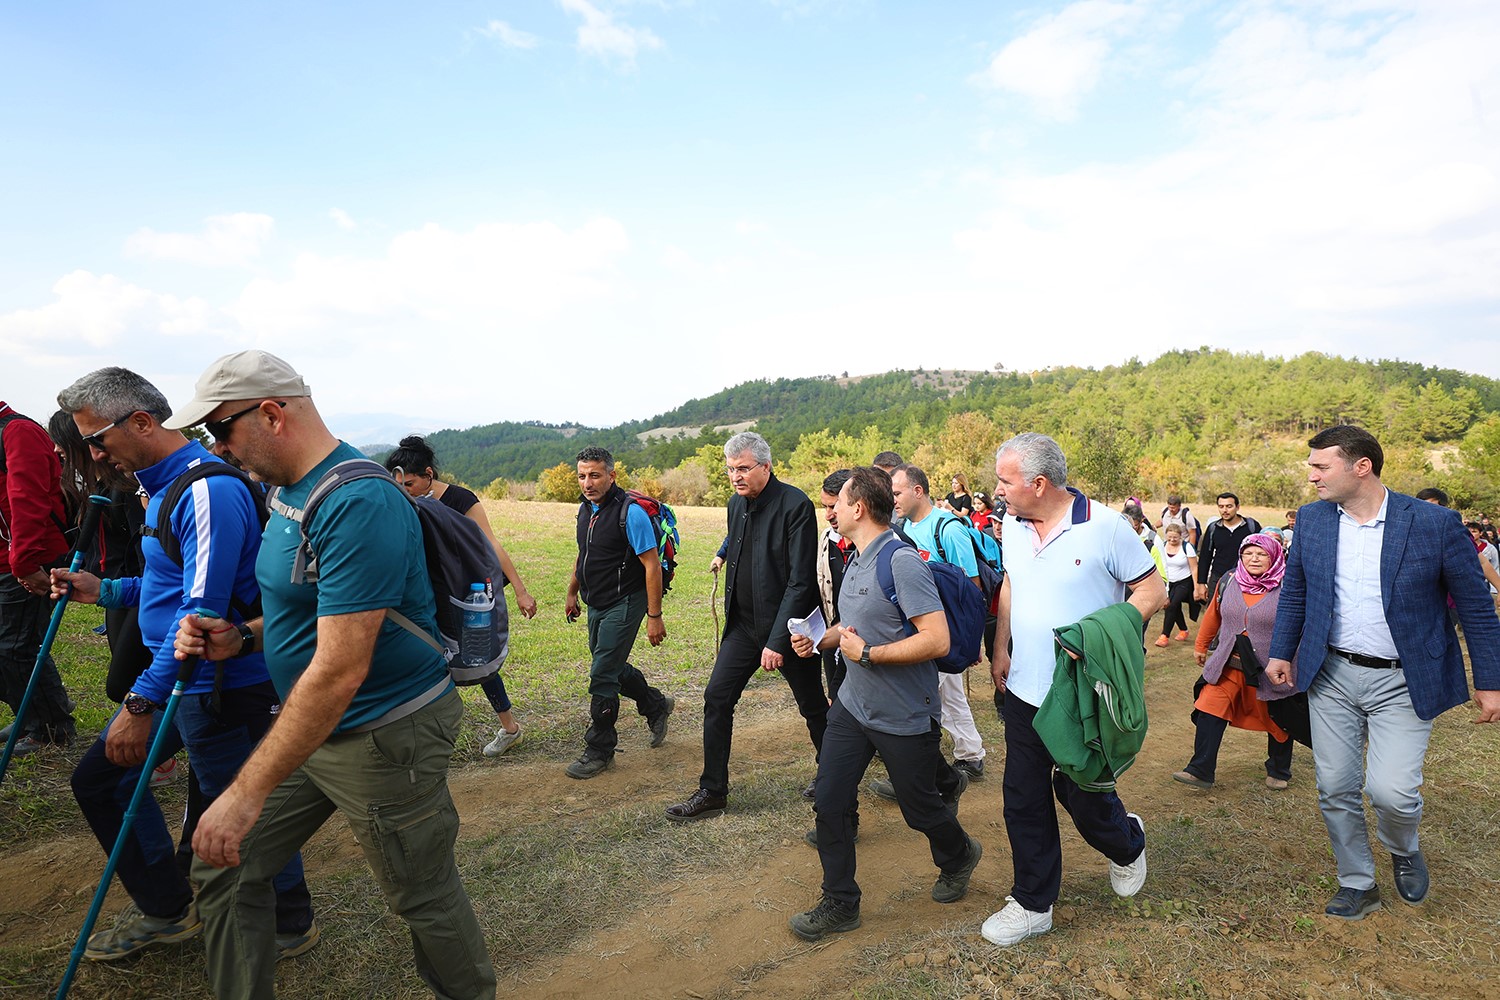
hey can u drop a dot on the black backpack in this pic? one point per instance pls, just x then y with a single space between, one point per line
457 554
164 533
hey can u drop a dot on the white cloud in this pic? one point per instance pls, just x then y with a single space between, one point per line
1061 59
102 310
1344 196
225 241
511 38
604 37
343 219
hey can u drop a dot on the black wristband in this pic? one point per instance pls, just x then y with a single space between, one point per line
247 640
650 615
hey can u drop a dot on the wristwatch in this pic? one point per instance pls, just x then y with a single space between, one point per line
864 657
247 639
139 704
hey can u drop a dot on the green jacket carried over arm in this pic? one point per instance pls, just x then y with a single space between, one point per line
1093 720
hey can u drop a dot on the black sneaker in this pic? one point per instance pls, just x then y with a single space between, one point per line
828 917
589 765
951 798
812 836
953 886
810 793
1353 904
973 768
658 723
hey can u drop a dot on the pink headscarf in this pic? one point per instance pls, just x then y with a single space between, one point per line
1271 578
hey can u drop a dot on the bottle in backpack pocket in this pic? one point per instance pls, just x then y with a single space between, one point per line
476 642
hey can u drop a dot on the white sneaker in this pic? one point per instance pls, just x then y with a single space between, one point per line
1015 924
502 742
1126 880
165 772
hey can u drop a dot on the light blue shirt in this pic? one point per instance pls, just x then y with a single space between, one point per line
1359 624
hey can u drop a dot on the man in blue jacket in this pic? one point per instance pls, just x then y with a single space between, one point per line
1364 615
217 530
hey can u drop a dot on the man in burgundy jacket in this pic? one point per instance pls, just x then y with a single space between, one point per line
32 521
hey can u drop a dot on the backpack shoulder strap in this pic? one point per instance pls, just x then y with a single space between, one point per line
305 563
162 529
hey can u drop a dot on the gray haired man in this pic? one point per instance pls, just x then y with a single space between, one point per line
770 559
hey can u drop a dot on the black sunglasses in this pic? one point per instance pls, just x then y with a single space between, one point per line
220 428
96 439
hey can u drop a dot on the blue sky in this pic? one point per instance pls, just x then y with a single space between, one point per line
576 209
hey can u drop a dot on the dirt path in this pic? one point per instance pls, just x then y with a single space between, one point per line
1212 932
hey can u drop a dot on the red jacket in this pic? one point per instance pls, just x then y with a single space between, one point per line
31 500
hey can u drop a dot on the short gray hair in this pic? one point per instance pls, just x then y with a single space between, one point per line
1039 456
748 441
115 393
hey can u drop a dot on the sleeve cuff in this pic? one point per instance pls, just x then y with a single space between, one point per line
109 594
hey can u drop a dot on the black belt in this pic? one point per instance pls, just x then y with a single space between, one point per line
1361 660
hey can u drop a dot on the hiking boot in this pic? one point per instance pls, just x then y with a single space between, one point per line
292 945
828 917
953 886
810 793
1189 778
502 742
1276 784
1015 924
28 745
133 930
658 723
702 804
883 788
1126 880
589 765
973 768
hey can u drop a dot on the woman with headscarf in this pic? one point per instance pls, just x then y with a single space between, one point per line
1240 615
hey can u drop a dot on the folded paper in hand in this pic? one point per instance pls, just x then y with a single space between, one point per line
812 626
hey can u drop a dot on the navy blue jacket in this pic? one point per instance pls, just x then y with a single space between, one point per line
1425 556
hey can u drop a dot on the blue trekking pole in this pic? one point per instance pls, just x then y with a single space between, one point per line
86 533
184 676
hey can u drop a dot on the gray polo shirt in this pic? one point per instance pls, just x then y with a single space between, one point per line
900 700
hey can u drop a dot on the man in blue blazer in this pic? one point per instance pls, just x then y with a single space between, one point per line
1364 618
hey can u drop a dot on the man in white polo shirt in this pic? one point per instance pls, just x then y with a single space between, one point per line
1065 558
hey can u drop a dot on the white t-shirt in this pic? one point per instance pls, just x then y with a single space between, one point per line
1082 568
1177 566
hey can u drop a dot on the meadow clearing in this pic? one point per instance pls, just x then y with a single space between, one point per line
585 889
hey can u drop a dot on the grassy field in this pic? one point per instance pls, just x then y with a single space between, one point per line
585 887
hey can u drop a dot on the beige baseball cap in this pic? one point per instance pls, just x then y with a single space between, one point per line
241 375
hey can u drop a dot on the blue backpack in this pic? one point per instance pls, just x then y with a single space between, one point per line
963 604
986 556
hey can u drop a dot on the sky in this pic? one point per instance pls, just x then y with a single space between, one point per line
593 211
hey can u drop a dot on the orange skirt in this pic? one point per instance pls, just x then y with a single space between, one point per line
1236 702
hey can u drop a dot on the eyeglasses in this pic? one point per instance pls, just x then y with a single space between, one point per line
220 428
742 470
96 439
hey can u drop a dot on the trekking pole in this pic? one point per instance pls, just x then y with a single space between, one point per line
86 533
713 604
184 676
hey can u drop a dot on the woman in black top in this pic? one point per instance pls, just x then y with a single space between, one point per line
959 501
415 467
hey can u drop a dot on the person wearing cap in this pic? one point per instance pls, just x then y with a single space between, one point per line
224 713
369 717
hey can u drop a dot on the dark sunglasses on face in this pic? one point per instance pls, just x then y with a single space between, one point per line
96 439
220 428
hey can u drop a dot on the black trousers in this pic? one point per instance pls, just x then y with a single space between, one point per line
912 761
1179 599
737 662
1031 780
1208 735
24 617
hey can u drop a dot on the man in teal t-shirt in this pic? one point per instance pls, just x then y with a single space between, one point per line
369 717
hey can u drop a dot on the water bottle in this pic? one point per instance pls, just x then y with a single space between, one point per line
476 643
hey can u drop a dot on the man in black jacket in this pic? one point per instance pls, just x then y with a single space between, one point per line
770 575
618 575
1220 551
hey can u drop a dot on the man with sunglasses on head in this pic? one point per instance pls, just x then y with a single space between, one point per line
369 716
201 537
770 567
32 524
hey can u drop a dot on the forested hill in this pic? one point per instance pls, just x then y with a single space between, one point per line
1185 405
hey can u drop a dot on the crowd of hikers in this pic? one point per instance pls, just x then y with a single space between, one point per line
297 619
